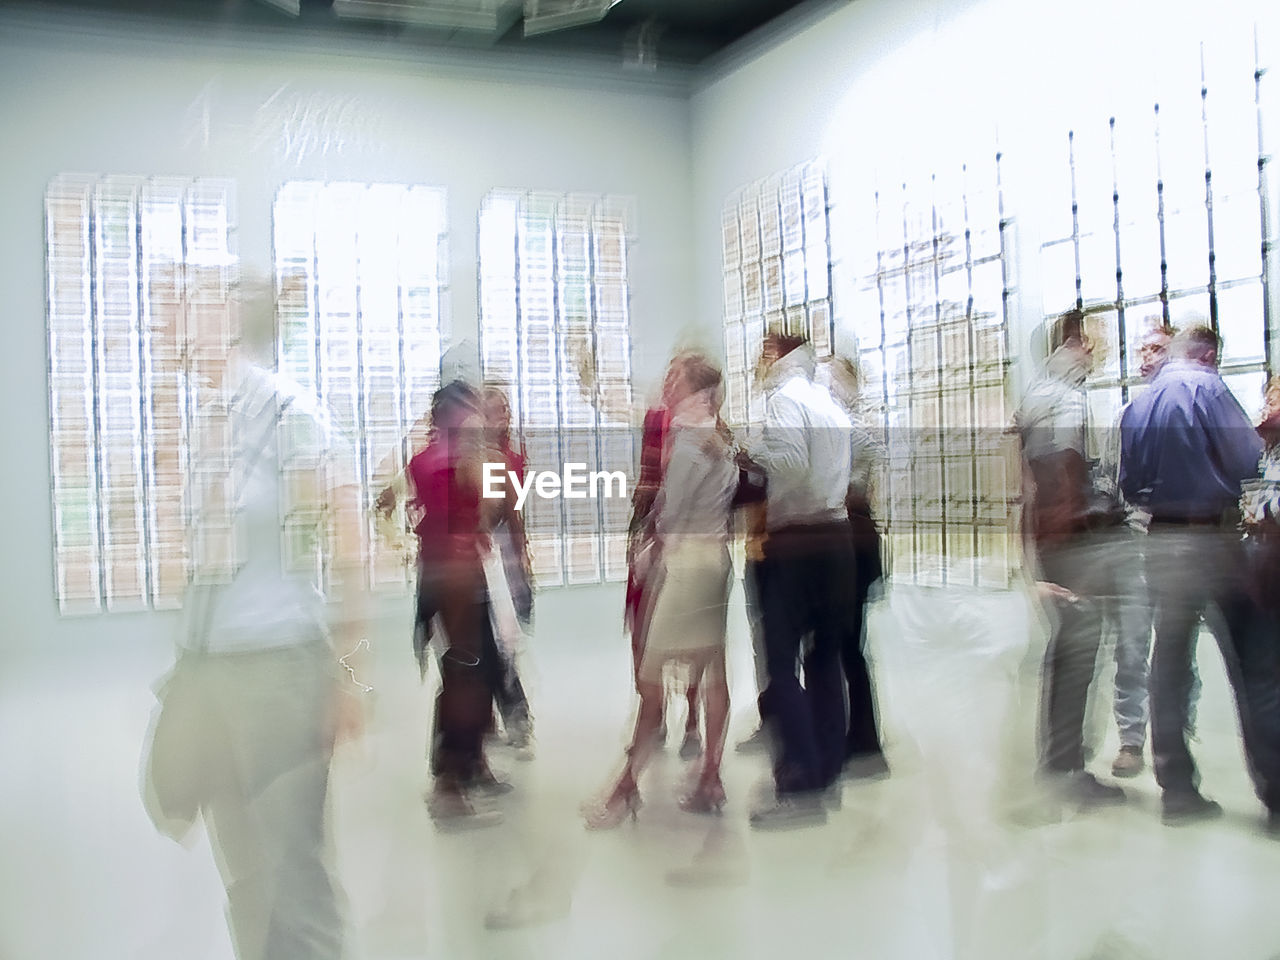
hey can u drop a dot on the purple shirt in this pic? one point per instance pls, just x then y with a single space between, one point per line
1186 445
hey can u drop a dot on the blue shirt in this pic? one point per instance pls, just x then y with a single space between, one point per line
1186 445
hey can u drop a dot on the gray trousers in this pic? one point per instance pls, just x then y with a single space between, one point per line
1094 566
268 748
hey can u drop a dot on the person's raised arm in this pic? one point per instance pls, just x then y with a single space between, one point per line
782 447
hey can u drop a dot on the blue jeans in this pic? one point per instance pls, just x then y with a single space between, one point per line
1127 612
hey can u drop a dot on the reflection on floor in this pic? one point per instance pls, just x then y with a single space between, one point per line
955 856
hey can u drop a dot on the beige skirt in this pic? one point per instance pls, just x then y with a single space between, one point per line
687 607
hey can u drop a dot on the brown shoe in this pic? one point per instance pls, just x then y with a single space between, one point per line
1129 762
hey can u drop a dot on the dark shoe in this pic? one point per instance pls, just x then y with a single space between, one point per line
1187 806
758 742
790 812
866 766
691 746
1129 762
451 811
488 785
833 797
1084 789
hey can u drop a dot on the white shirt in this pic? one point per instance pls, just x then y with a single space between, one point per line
806 448
264 606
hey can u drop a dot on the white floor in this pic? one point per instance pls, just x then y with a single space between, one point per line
953 857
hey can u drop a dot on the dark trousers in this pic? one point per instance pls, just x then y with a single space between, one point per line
806 574
453 591
1193 571
753 592
863 737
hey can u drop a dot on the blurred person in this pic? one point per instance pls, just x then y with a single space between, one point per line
1128 614
1261 507
683 612
1263 500
258 696
654 440
754 526
752 496
808 579
391 477
1186 449
864 755
1076 539
452 590
512 546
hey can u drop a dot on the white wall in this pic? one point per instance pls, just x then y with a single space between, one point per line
886 89
892 90
80 96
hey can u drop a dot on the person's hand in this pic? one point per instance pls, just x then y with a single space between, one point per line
1053 591
386 501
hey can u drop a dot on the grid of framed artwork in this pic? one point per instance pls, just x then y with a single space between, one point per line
359 282
777 276
139 277
929 314
555 335
1163 219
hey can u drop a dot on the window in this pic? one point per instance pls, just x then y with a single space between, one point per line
1161 218
359 271
777 276
139 273
553 306
929 312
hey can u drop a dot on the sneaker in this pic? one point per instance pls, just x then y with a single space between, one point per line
1129 762
1181 807
791 812
691 746
758 742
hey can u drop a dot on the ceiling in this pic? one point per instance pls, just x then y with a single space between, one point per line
647 33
